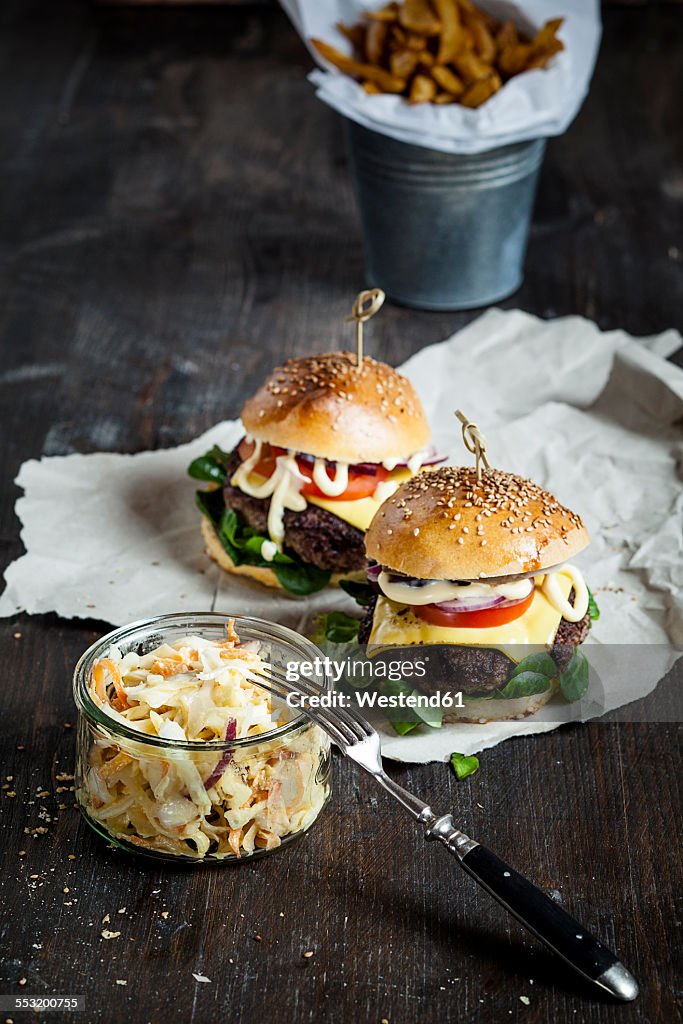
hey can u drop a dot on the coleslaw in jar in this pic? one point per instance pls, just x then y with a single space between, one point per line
182 754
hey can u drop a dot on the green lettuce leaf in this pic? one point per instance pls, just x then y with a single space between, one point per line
361 592
243 545
593 610
574 682
212 466
525 684
464 765
403 728
539 662
433 717
340 628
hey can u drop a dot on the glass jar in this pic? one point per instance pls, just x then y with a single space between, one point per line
241 797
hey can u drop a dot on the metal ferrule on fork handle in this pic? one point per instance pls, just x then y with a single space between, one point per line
445 831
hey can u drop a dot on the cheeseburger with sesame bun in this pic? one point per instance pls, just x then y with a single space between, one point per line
481 564
327 439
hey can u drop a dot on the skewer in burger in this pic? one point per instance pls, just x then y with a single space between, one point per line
327 439
480 564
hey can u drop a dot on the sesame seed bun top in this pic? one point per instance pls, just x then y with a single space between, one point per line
445 524
326 405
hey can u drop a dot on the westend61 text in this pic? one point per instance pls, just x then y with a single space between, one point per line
372 699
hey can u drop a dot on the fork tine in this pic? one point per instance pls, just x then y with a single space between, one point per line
317 715
353 721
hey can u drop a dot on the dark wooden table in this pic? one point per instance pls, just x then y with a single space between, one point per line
175 215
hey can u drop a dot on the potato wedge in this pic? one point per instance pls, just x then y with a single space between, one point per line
543 57
422 89
472 68
513 59
448 80
451 38
403 63
481 91
388 13
546 35
484 45
397 37
418 16
355 35
357 69
375 41
507 35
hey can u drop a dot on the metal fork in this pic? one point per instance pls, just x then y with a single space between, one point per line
560 932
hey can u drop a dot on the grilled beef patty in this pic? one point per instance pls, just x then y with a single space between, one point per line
315 535
482 669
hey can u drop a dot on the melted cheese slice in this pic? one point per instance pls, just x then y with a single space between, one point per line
396 624
358 513
361 512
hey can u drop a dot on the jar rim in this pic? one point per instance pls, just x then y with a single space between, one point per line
262 629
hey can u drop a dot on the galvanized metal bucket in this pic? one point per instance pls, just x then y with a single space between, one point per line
443 231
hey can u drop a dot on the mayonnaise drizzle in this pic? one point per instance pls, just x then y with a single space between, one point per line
438 591
572 613
332 488
283 487
413 463
269 550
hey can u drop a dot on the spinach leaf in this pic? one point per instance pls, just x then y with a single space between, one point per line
593 610
211 504
403 728
211 466
539 662
463 765
574 682
433 717
341 628
298 577
362 593
525 685
243 545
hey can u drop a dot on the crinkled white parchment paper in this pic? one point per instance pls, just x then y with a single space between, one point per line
536 104
594 417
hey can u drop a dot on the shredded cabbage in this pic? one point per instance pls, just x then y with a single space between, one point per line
217 804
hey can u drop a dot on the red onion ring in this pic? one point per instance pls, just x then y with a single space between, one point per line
479 604
370 468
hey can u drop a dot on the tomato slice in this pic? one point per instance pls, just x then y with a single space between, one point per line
361 485
265 466
473 620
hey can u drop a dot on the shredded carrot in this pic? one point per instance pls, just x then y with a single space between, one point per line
110 768
99 672
169 667
234 839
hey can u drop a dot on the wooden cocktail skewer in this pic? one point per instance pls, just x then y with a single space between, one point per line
366 305
474 441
